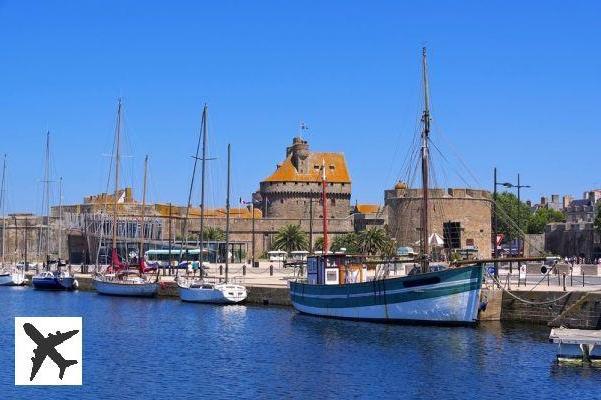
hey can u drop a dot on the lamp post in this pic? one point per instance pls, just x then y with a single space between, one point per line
495 220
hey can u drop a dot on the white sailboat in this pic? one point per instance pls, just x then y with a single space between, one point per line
9 276
119 280
200 290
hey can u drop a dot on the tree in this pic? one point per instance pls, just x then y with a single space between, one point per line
374 241
290 238
318 244
544 215
348 241
511 214
213 234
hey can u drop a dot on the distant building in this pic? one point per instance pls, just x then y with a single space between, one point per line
462 217
368 216
296 185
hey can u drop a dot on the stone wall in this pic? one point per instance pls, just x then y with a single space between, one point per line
472 208
573 239
516 310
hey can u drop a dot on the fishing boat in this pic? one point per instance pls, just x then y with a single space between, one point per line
199 290
48 279
337 285
119 279
9 276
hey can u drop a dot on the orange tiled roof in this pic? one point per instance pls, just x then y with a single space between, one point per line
336 170
235 212
367 208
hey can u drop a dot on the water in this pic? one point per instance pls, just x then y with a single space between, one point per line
165 349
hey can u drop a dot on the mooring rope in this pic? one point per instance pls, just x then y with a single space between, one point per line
534 303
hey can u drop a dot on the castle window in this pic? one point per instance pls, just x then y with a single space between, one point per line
332 167
282 201
333 201
316 166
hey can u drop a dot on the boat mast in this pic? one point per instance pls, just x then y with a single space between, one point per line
3 202
425 155
227 215
60 216
325 207
202 184
114 253
47 186
141 251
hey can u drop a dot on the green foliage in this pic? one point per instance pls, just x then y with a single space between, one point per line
290 238
543 216
213 234
511 214
318 244
374 241
348 241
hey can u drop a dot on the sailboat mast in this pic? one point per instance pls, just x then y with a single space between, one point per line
202 182
324 202
3 202
227 214
47 183
141 252
60 216
189 204
116 199
425 154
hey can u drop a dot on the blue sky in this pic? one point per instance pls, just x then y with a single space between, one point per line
513 85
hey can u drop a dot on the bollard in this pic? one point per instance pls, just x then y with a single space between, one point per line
558 280
571 277
508 283
582 277
271 270
221 270
564 282
244 270
548 280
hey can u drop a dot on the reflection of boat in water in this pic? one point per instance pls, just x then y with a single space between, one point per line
338 286
54 281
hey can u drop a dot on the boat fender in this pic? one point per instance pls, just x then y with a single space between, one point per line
483 303
75 284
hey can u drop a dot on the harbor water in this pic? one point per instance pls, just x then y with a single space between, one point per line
166 349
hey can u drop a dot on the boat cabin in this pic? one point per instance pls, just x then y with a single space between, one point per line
335 269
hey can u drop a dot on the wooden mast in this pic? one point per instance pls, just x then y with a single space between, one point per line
114 253
141 251
425 155
202 184
227 215
324 198
60 217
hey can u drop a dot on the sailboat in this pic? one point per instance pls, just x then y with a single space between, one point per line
48 279
337 286
200 290
8 276
119 280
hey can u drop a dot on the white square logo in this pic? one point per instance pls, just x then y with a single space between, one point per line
48 351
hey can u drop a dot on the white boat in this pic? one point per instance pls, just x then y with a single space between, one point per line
125 285
199 291
12 278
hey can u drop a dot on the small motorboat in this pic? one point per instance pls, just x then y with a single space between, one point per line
56 280
199 291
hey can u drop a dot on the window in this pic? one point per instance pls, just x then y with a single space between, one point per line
282 201
333 201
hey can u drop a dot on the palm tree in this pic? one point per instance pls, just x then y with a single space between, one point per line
213 234
348 241
290 238
318 244
374 241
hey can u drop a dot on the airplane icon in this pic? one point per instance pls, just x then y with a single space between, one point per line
46 347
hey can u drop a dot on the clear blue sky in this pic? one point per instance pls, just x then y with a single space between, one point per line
514 84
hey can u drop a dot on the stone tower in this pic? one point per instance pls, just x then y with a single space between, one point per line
287 193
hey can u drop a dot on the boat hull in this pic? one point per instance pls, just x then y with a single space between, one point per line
225 295
67 283
445 297
147 289
12 279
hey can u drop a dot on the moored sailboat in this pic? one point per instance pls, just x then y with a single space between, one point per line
337 285
119 280
201 290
